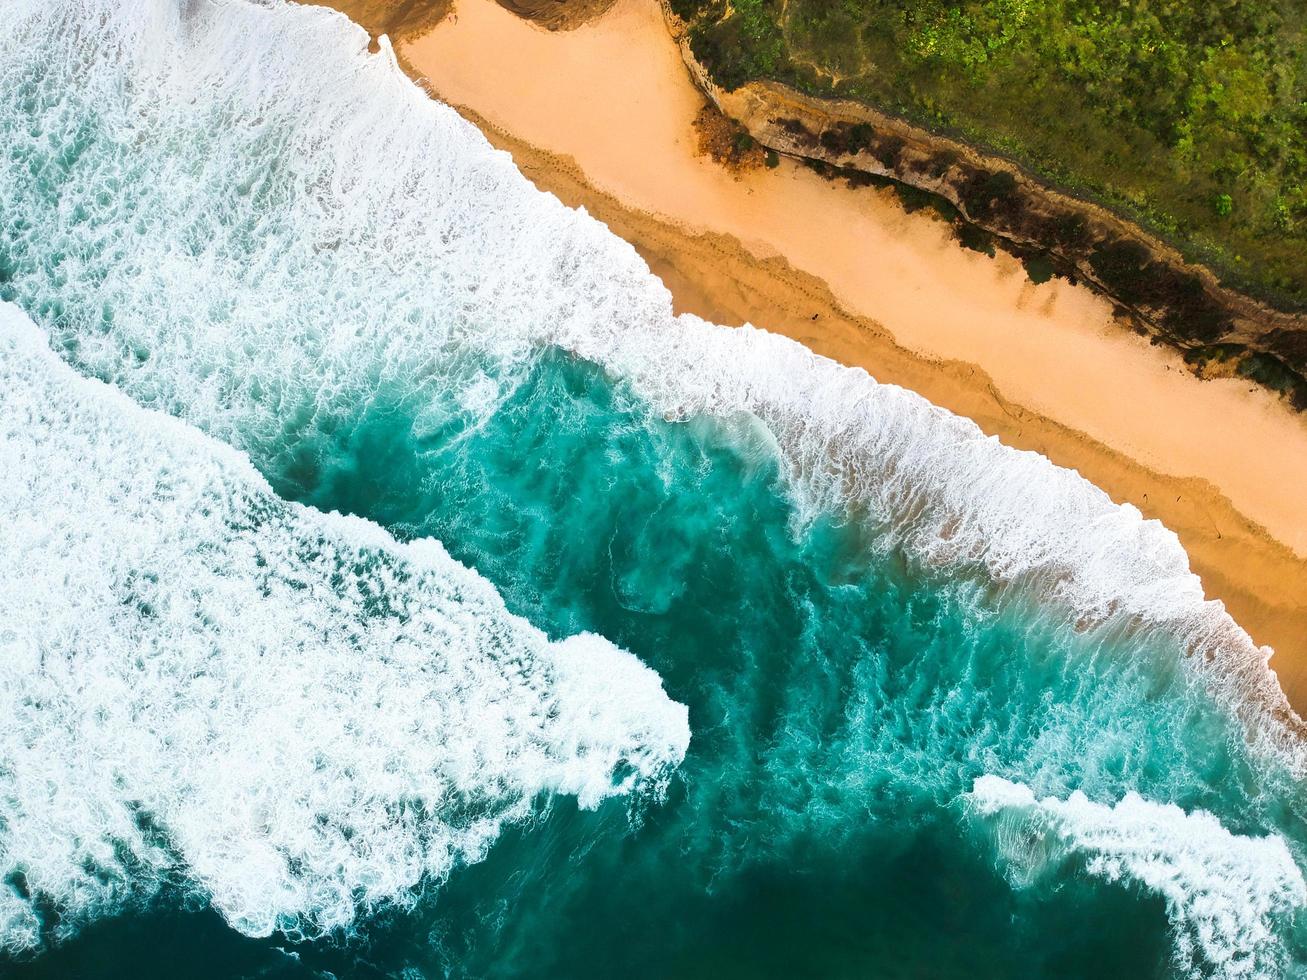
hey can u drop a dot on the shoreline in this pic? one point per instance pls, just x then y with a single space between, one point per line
1181 303
594 130
1029 212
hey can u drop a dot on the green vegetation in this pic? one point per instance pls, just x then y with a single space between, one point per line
1039 268
1187 117
1225 360
976 239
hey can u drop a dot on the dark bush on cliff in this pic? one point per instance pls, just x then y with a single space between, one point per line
1067 231
1122 266
861 136
988 195
1187 117
976 239
888 151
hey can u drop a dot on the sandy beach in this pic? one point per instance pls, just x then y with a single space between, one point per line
601 116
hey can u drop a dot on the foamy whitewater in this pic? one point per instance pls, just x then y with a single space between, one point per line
1221 890
405 248
236 216
282 710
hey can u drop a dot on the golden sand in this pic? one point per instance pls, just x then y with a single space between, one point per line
602 116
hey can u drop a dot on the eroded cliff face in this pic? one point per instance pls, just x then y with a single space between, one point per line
991 201
407 19
558 15
400 19
1178 302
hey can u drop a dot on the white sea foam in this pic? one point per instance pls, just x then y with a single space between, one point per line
234 212
308 229
283 712
1225 893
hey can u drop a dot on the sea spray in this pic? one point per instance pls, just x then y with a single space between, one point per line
238 216
283 711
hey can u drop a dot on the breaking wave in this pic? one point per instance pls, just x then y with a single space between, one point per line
238 215
1224 893
283 712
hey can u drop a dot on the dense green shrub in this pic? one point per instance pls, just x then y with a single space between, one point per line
987 195
976 239
1039 268
860 137
1188 117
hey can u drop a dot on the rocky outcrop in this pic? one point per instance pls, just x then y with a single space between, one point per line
407 19
400 19
558 15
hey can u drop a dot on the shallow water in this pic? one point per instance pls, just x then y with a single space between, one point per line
885 627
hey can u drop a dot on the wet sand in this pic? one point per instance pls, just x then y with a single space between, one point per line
601 117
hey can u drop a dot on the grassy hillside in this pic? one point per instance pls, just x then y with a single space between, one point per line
1190 118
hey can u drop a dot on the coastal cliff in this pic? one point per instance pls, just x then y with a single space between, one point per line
403 19
604 118
557 15
993 201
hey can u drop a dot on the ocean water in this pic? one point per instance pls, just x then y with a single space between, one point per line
393 586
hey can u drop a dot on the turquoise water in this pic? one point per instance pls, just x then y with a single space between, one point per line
840 706
952 712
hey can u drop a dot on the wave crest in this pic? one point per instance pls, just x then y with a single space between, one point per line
283 711
1225 893
335 243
